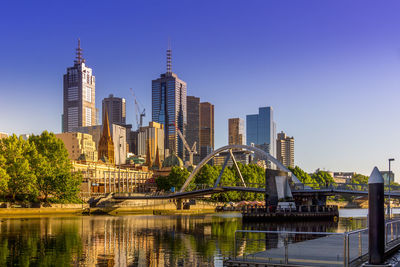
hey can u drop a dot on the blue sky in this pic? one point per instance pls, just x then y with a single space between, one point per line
330 69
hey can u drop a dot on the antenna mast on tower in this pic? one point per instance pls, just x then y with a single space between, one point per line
169 58
79 54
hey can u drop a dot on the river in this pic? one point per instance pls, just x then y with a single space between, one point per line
139 240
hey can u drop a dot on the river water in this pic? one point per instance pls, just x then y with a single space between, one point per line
139 240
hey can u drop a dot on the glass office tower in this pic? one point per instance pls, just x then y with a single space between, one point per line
261 130
169 107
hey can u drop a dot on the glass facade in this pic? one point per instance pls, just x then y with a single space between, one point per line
169 108
261 130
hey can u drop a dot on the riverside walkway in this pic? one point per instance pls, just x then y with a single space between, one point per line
283 248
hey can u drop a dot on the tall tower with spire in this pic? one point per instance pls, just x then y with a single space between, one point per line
169 106
79 107
106 145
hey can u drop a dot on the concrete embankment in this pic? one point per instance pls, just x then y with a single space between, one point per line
53 209
111 207
151 206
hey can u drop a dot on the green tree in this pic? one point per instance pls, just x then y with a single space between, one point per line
176 178
359 179
4 178
207 175
304 177
53 168
323 178
22 180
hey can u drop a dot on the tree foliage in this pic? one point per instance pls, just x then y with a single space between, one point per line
304 177
53 168
208 175
320 178
36 168
22 180
176 178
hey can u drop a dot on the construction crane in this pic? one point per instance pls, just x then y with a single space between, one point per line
138 111
190 150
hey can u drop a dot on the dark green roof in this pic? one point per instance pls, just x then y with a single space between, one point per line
172 160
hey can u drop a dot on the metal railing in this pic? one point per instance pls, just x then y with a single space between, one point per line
392 234
341 186
309 248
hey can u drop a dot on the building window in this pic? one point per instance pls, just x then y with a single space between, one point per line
88 112
87 94
73 93
72 118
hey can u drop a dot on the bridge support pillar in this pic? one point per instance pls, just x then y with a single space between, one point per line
179 204
271 193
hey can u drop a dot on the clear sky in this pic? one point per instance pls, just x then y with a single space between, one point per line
329 69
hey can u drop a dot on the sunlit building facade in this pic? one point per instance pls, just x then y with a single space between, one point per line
236 131
79 95
79 145
285 149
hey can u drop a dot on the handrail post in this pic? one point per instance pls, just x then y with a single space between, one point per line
348 249
234 249
286 250
391 232
359 244
344 250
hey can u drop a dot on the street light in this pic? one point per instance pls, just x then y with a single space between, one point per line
119 163
389 212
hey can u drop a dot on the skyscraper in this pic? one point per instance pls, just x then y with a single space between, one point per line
285 149
79 95
116 108
261 130
236 131
193 124
206 129
169 107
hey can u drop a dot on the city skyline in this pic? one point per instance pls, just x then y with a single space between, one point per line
334 81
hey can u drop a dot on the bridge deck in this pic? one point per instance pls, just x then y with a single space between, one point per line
209 191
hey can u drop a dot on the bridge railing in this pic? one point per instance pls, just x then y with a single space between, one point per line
341 186
289 247
315 248
240 184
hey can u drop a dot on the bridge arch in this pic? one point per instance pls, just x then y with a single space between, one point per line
229 148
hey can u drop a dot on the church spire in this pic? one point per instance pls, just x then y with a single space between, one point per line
157 162
106 145
79 55
149 161
106 126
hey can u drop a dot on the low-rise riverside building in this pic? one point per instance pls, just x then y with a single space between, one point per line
3 135
103 178
78 144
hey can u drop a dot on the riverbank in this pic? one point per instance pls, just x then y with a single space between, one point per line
85 209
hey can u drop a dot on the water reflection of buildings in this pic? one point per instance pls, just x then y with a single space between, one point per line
140 241
146 240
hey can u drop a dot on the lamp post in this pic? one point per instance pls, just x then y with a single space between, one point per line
389 211
119 163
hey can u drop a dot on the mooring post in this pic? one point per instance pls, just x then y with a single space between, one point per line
376 218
